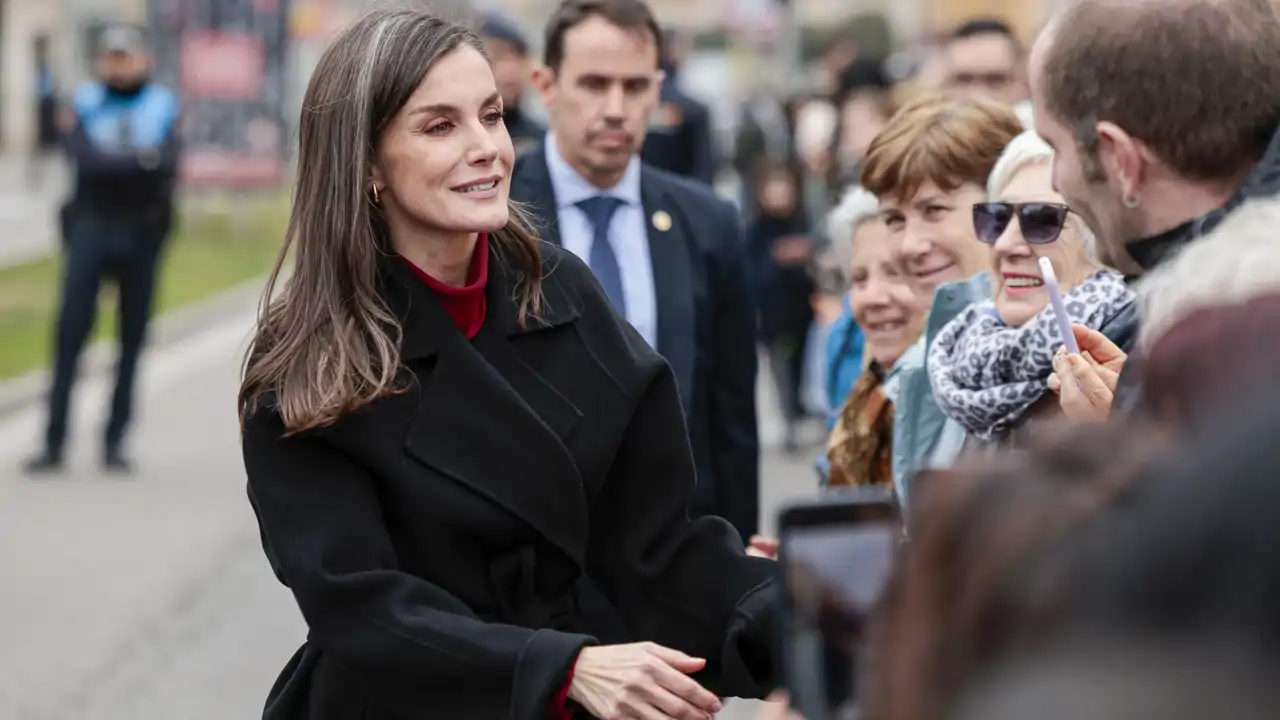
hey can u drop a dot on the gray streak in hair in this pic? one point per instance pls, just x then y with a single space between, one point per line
328 344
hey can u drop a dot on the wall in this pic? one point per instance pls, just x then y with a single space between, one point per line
23 21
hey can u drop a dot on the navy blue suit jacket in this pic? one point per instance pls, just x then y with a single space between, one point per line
706 326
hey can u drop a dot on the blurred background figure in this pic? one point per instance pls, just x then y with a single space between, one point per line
679 138
985 58
765 132
781 250
509 51
124 147
49 115
864 105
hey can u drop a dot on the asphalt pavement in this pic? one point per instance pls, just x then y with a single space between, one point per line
149 598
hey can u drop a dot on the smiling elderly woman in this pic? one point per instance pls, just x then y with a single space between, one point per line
989 366
887 307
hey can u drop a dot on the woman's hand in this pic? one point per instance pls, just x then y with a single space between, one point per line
761 546
640 681
1095 373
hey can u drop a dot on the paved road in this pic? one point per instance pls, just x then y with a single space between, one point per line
149 599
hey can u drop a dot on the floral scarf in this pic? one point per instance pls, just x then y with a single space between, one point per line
986 374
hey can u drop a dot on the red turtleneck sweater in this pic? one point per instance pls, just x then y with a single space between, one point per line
466 306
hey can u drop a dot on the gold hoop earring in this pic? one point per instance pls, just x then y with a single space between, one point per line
376 199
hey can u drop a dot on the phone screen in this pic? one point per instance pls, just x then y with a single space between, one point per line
834 575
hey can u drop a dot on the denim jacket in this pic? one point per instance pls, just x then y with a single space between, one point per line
923 436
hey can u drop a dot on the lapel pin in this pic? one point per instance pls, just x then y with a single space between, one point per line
662 221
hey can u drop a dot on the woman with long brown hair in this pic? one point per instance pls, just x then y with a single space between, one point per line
446 426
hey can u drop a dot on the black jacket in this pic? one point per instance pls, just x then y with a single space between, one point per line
1263 181
434 538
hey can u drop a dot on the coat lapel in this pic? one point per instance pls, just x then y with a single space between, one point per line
669 252
487 420
531 187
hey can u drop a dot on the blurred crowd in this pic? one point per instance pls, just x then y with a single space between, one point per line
800 156
1084 527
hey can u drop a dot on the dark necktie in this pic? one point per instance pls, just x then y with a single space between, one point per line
603 261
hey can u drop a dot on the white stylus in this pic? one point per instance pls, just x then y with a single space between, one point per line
1059 310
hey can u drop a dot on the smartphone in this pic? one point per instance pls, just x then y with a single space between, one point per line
1059 309
836 553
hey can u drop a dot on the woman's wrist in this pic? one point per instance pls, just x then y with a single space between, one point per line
571 677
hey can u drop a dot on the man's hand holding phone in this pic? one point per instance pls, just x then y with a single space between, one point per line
1095 371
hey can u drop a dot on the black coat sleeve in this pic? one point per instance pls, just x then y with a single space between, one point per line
680 583
412 642
735 444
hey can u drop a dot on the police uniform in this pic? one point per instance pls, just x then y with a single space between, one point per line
124 148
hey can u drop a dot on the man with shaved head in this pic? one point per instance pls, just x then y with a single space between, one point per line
1164 117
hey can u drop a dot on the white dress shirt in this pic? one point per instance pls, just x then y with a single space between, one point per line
628 234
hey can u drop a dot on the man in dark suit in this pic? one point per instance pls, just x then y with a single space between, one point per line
666 250
509 52
679 138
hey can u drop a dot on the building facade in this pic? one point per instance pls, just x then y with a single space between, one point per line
65 26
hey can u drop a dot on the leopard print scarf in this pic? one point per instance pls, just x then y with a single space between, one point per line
986 374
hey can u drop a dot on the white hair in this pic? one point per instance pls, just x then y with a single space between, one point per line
1025 150
1026 114
857 206
1238 261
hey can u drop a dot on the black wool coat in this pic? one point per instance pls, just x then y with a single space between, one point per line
435 539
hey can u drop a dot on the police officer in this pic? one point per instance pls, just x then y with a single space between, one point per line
509 52
679 138
123 145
